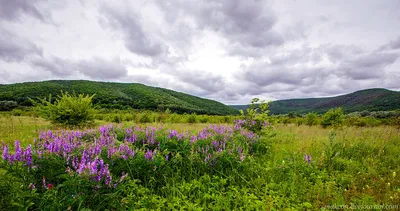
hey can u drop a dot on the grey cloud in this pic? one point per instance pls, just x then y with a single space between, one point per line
392 45
12 9
370 66
249 23
300 73
203 80
136 40
14 48
98 68
56 66
296 67
95 68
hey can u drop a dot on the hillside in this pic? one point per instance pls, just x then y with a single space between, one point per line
369 99
116 95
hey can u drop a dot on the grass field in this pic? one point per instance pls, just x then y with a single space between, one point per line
290 167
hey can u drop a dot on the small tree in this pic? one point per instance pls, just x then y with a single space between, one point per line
67 110
256 116
333 117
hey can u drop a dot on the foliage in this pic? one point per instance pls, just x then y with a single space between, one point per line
118 96
311 119
256 116
368 100
137 168
8 105
68 110
333 117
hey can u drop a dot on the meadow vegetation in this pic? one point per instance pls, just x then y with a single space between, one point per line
130 160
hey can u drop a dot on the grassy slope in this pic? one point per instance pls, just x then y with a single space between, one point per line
369 99
117 95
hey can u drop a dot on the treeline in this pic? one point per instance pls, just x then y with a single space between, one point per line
336 117
121 96
369 100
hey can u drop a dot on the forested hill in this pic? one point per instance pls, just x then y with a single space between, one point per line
116 95
369 99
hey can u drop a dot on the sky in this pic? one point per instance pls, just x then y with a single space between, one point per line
227 50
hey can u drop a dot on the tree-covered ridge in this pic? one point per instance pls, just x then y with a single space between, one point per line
369 100
116 95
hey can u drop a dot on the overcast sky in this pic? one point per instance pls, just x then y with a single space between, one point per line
226 50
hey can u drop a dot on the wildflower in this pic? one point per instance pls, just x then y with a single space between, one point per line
5 153
31 186
123 176
68 170
149 155
18 151
193 139
28 155
44 182
307 158
108 178
166 158
50 186
242 157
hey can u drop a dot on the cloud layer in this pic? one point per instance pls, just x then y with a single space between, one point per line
227 50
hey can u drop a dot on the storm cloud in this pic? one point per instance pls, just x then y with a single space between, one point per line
13 10
14 48
227 50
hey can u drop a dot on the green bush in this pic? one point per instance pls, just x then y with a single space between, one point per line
333 117
69 110
311 119
191 118
8 105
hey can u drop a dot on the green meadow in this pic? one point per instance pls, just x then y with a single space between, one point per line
290 167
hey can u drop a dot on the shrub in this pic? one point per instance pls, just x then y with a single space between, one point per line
145 118
191 118
8 105
311 119
256 117
333 117
67 110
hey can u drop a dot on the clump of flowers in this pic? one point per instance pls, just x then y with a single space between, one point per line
91 154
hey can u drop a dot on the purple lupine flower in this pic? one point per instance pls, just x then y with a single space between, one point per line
172 133
215 144
18 151
193 139
28 155
307 158
93 166
108 178
123 176
44 182
31 186
68 170
166 157
149 155
242 157
5 153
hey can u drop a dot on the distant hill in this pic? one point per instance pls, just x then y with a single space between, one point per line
116 95
369 99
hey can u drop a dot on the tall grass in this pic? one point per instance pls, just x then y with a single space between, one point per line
294 168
